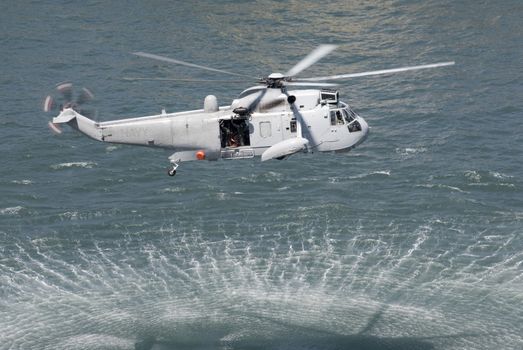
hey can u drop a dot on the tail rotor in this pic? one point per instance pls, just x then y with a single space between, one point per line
64 96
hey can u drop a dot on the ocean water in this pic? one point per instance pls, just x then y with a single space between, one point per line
414 240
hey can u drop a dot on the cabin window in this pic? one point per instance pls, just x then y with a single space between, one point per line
265 129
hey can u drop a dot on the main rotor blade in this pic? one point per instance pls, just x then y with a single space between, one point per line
252 106
310 59
293 83
378 72
183 80
171 60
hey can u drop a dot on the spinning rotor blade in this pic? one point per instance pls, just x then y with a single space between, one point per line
54 128
378 72
171 60
84 96
66 89
272 103
292 83
310 59
69 99
184 80
48 104
257 101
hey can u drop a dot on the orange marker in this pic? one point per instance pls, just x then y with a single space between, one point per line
200 155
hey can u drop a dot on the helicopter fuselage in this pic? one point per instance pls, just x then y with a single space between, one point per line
327 124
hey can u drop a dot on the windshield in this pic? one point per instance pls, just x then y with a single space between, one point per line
345 115
342 116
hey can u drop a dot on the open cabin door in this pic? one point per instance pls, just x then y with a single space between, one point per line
235 138
234 132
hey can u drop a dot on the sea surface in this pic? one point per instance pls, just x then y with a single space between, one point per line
413 240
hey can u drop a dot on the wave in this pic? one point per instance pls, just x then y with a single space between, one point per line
373 173
11 210
442 186
86 165
410 152
22 182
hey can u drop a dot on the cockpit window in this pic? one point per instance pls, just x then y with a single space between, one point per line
336 117
348 117
351 119
339 118
345 116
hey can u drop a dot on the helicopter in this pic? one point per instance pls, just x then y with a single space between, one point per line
271 120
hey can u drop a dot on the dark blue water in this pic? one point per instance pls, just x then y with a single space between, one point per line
411 241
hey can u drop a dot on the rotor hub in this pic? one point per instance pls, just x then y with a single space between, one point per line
275 80
276 76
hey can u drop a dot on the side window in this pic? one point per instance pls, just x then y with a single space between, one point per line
265 129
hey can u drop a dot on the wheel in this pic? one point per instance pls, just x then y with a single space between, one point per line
171 172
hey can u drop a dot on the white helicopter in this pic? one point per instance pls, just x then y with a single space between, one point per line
268 120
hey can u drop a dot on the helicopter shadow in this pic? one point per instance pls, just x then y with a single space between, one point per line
303 337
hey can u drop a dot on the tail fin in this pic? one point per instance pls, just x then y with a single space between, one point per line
65 116
79 122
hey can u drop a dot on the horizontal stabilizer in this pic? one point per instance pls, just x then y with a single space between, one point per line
285 148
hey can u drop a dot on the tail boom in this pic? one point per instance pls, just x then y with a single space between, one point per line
79 122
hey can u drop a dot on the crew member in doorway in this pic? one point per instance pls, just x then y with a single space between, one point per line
233 140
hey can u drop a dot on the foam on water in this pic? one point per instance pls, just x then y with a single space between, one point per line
313 286
378 172
11 210
22 182
87 165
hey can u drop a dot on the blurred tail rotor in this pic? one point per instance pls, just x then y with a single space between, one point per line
63 97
